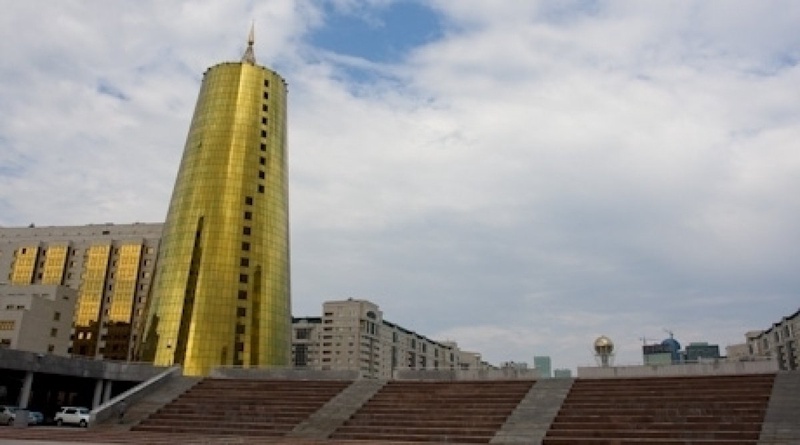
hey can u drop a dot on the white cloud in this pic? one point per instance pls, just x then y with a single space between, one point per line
545 172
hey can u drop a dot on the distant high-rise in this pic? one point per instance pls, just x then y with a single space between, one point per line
221 295
543 365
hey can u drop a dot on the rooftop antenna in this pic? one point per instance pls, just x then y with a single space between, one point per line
644 340
249 56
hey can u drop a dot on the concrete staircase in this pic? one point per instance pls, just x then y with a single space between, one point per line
444 412
782 421
335 413
677 410
531 419
243 407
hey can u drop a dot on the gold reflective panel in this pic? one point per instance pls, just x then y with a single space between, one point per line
124 290
90 299
24 264
54 264
221 294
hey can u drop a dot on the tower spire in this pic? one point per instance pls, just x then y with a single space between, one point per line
249 56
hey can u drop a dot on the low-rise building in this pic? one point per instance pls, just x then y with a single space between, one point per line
37 318
562 373
697 351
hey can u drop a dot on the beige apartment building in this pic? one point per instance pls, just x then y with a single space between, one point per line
353 335
37 318
780 342
110 266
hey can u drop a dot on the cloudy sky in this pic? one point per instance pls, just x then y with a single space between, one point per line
520 177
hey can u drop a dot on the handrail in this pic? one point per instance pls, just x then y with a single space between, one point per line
138 392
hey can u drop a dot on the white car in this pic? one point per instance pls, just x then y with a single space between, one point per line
73 415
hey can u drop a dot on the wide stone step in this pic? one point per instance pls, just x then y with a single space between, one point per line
675 433
390 417
638 417
209 429
216 410
239 424
375 437
426 422
636 441
685 426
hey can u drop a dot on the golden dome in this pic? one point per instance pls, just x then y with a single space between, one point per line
603 345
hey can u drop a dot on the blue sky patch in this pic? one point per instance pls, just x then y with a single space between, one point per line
383 35
104 87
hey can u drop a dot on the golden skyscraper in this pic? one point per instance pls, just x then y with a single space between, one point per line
221 295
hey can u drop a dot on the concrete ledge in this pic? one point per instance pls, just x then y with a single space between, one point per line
281 374
685 370
457 375
76 366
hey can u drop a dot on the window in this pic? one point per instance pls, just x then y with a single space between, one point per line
243 295
263 133
53 332
266 83
262 160
57 316
246 230
264 108
51 348
266 95
264 120
248 215
241 312
260 188
243 278
263 147
7 325
240 329
248 200
261 174
244 262
245 246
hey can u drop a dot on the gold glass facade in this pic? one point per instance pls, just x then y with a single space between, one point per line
90 300
221 295
24 265
54 264
124 287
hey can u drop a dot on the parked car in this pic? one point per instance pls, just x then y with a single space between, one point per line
73 415
8 415
35 418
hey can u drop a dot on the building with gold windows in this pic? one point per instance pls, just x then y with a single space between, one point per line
110 266
221 295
